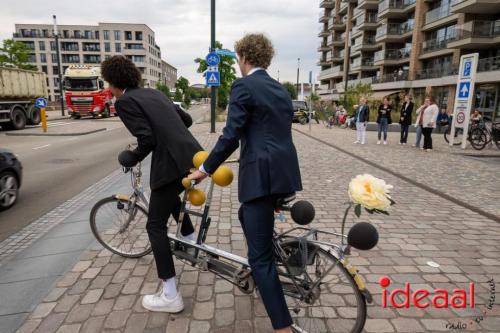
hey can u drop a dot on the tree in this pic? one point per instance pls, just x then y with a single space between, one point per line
16 54
164 89
291 89
354 93
182 91
227 75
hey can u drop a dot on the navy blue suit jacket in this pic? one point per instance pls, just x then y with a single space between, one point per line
260 116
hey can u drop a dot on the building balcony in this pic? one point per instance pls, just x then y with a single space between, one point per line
338 41
394 32
327 4
438 17
392 56
337 25
337 56
367 21
323 47
29 34
362 64
488 64
330 73
391 77
324 31
368 4
436 72
395 8
436 47
357 11
477 34
365 44
475 6
343 8
323 17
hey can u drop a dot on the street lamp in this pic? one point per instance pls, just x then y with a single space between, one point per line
212 48
58 55
298 74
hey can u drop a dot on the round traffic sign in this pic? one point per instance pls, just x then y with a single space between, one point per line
41 102
461 117
212 59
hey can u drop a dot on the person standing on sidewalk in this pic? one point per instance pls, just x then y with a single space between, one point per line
405 119
361 115
161 128
384 119
426 120
260 116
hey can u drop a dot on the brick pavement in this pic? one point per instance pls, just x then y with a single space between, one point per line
102 293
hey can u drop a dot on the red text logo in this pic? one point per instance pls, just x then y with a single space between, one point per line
458 298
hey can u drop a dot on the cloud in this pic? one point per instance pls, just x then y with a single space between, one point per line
182 28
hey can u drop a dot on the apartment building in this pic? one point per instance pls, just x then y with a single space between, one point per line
90 45
410 46
169 74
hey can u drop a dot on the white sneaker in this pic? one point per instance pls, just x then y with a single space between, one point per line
378 142
356 142
160 303
385 142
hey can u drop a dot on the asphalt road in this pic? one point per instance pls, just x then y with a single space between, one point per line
58 168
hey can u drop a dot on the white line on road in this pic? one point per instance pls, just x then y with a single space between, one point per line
44 146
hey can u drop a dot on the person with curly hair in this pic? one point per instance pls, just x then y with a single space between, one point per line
161 128
260 117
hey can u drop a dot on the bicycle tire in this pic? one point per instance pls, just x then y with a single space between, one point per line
478 139
95 230
335 322
455 141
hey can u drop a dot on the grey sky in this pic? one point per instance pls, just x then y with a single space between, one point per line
183 27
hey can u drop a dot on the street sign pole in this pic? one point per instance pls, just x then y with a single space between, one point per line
310 99
213 101
58 54
464 96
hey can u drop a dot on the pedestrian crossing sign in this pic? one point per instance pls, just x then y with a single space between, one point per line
213 79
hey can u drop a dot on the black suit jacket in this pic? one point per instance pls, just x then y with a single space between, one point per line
160 127
260 116
406 114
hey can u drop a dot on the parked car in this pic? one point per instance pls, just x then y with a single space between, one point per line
10 178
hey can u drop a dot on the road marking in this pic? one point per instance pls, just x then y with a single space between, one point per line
75 138
35 148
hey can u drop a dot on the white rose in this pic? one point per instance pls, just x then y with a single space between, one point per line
370 192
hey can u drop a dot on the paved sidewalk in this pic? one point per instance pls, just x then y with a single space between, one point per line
102 292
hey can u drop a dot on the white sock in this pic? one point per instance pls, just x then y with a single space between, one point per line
191 237
169 288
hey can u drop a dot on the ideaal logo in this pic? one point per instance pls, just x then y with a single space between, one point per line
458 299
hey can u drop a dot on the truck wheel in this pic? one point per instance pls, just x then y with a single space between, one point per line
303 120
18 119
35 117
106 112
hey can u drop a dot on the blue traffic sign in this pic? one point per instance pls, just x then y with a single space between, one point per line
225 52
464 89
41 102
212 59
213 79
467 68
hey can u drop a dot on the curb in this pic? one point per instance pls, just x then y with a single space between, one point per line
56 134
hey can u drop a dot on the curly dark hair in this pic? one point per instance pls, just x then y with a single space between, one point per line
257 50
121 72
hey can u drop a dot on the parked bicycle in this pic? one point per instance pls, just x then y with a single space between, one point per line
324 291
488 135
477 139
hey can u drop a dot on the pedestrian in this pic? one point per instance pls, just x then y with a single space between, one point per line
405 119
384 119
426 120
361 115
161 128
476 117
442 119
269 166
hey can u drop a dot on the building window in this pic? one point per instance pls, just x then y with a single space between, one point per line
97 35
65 34
88 34
30 45
77 33
43 58
45 33
56 81
130 46
54 58
44 69
41 45
106 34
107 47
69 46
107 56
70 58
91 59
91 47
128 35
55 70
32 58
117 35
138 35
118 47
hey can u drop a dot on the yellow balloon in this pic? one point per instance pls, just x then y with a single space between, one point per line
186 182
199 158
223 176
196 197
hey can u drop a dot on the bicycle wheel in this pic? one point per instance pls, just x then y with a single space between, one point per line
478 138
459 133
335 304
120 228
